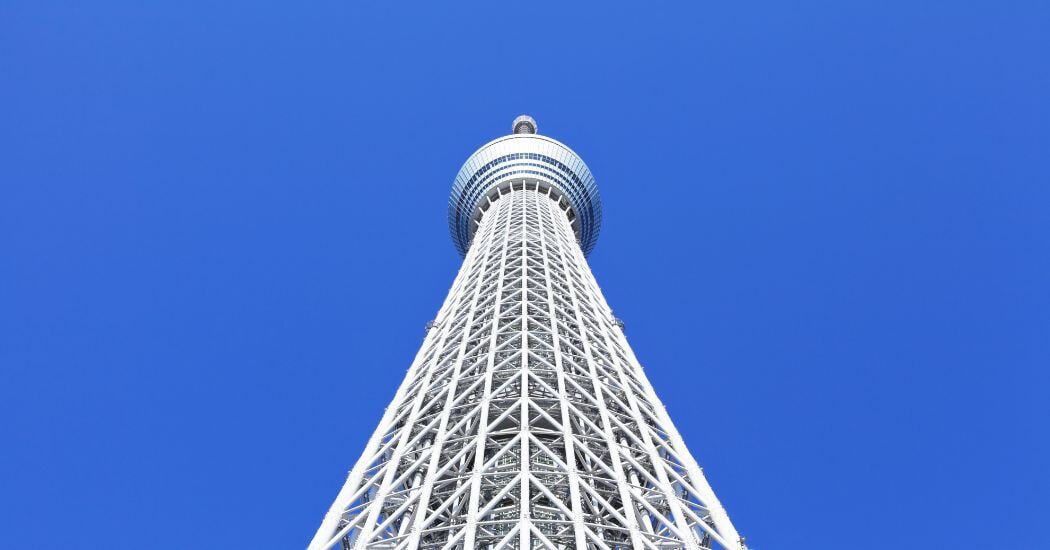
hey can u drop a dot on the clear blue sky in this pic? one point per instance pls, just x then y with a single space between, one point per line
222 231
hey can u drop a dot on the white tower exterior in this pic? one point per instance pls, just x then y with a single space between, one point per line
525 420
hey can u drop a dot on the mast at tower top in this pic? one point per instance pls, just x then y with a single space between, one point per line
524 157
524 124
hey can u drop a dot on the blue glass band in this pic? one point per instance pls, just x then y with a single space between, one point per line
512 157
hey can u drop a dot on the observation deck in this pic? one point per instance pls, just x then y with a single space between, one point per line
524 157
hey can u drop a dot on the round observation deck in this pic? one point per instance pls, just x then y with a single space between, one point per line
524 157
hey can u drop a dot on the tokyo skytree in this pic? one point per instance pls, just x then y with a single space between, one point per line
525 420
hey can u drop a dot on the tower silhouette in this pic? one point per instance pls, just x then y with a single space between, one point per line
525 420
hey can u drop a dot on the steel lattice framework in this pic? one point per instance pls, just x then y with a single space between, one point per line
525 420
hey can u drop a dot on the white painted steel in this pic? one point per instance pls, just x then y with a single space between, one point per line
525 420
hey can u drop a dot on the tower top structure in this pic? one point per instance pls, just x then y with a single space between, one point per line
524 124
524 157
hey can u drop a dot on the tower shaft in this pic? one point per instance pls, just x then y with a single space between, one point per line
525 420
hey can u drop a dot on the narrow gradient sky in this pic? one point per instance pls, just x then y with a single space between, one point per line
223 229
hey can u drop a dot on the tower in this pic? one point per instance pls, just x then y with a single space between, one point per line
525 420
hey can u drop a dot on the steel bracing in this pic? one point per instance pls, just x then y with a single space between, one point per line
525 420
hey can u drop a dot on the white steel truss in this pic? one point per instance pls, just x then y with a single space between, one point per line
525 420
